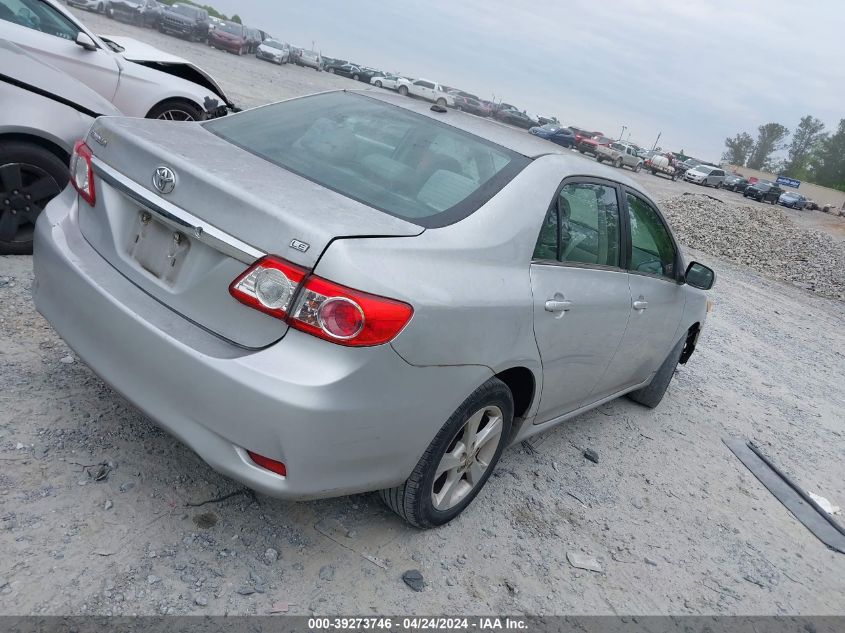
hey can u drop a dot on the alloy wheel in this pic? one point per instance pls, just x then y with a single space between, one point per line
467 458
175 115
24 191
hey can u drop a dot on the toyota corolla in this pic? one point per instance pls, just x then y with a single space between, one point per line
349 292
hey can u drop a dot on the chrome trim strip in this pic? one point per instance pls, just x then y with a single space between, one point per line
177 217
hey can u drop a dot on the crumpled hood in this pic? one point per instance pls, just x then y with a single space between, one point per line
136 51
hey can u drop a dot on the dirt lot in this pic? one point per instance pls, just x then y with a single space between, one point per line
676 522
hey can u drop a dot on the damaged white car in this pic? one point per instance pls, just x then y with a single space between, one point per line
140 80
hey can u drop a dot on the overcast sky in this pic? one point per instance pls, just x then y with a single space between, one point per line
697 71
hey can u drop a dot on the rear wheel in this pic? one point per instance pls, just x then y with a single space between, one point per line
459 460
331 71
599 158
581 149
355 77
618 163
30 176
176 111
651 395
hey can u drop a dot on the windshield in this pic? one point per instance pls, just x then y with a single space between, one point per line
551 127
182 9
402 163
231 27
273 44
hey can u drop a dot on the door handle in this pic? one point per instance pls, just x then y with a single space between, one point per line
639 304
558 305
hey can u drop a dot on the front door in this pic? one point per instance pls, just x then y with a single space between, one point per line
657 296
49 35
581 297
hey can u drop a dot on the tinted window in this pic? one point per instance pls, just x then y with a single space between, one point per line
652 250
399 162
424 84
38 16
582 227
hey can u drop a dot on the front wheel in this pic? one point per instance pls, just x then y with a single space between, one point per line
459 460
651 395
378 84
176 111
355 77
618 163
331 71
441 103
30 176
599 158
638 167
403 90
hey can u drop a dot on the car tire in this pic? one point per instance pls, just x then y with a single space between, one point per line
599 159
441 102
581 149
618 164
101 8
240 51
355 77
651 395
28 166
378 84
403 90
177 110
638 167
415 500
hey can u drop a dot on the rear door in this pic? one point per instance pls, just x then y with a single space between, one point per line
654 264
581 297
50 36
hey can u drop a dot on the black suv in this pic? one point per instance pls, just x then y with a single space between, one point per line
185 20
763 191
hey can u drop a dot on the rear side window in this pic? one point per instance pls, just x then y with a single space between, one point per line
582 227
400 162
652 249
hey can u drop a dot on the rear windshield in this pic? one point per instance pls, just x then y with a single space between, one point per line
400 162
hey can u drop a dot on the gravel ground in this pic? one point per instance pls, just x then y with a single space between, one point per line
99 510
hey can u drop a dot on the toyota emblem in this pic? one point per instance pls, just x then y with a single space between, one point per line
164 179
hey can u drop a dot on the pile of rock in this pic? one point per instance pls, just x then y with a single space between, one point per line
762 238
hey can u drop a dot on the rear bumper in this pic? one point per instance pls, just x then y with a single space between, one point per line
342 420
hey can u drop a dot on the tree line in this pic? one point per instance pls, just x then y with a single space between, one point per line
813 154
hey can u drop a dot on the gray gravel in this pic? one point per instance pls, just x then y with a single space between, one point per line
762 238
769 367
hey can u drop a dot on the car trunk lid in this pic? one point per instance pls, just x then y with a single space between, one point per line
227 207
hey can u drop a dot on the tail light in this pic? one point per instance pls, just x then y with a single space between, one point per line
320 307
81 173
268 285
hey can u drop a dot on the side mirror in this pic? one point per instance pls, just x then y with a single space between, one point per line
84 40
700 276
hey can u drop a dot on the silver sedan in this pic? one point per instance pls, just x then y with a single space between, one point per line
351 291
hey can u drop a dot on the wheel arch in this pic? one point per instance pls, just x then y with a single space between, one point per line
523 387
54 148
691 340
176 99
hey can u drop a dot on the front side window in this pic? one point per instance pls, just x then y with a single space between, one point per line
652 249
393 160
582 226
38 16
